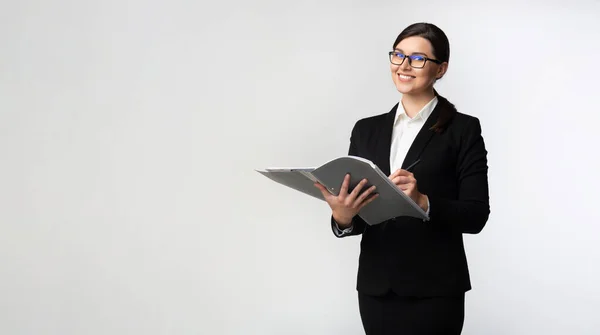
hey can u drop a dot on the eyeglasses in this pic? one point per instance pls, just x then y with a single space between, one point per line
416 61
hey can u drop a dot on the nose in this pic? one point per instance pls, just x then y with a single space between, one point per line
405 65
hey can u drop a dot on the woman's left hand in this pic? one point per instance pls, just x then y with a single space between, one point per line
406 181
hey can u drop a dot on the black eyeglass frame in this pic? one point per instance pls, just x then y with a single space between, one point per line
391 53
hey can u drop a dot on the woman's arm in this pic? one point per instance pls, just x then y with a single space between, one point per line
357 225
469 213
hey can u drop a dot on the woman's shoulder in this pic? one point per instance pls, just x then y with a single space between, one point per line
465 119
460 120
464 125
378 119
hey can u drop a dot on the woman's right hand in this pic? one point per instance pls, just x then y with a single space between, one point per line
346 205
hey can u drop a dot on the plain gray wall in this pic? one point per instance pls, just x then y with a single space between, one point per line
130 131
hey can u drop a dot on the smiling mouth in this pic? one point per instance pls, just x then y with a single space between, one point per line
403 76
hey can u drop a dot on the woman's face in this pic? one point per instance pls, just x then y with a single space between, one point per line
415 81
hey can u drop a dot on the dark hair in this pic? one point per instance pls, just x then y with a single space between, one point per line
441 51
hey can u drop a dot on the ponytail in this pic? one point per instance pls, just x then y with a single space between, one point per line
445 116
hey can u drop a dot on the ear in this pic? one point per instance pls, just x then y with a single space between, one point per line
441 70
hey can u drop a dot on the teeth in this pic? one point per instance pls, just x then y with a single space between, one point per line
405 77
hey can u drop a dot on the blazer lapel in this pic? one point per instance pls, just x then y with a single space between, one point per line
384 142
423 137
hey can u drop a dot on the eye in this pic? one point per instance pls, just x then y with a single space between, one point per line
417 57
399 54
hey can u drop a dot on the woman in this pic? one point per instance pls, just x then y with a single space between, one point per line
413 274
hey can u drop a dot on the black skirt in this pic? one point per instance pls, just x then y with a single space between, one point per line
392 314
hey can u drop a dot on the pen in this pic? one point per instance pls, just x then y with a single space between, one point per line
413 165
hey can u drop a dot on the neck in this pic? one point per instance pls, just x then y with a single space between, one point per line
413 103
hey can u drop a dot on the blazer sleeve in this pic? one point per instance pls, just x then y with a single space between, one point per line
469 213
358 224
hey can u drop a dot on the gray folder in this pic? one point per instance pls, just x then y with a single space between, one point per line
392 202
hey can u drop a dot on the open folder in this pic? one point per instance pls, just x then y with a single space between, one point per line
392 202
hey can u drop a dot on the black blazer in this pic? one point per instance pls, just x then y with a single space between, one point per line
407 255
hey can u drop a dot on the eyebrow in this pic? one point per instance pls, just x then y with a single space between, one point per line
414 53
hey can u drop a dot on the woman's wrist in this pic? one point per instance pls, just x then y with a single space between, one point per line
423 202
342 222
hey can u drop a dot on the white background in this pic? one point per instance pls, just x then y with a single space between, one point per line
130 131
